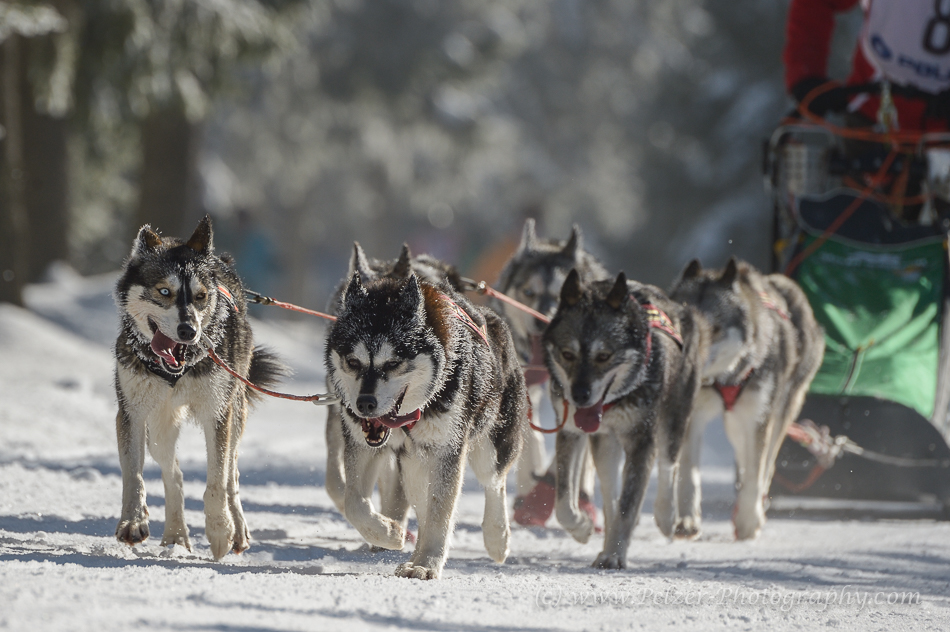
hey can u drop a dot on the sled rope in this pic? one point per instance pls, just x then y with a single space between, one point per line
827 449
320 399
260 299
484 289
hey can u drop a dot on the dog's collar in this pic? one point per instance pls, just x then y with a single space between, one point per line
463 316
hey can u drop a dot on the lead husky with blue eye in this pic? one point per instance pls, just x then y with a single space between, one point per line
176 298
429 382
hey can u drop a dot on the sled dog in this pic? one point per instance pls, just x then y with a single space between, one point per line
176 299
393 503
534 276
765 349
625 366
427 381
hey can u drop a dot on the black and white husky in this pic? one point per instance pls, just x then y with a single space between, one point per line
176 299
429 382
625 366
393 502
533 276
765 349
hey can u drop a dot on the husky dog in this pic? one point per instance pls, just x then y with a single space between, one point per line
428 381
765 349
392 499
625 366
534 276
176 299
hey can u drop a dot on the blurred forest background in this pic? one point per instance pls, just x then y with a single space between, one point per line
301 126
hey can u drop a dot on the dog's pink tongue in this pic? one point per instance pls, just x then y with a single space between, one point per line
164 347
588 419
393 421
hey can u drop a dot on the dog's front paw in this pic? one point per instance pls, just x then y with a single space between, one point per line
749 521
413 571
134 530
610 561
220 536
180 538
579 524
242 540
687 528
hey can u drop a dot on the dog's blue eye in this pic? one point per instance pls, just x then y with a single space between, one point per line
165 291
529 293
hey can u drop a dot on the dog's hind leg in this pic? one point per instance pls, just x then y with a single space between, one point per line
133 523
640 449
440 479
706 407
219 525
570 454
242 536
747 429
162 439
496 530
336 478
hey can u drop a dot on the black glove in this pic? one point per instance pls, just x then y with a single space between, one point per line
833 99
938 106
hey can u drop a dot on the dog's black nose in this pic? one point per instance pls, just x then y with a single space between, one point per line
366 404
580 393
186 332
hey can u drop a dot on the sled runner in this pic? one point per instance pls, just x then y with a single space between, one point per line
861 223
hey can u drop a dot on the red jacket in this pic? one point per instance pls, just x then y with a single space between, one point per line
807 45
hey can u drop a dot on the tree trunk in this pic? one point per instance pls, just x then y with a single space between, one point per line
168 191
45 181
14 229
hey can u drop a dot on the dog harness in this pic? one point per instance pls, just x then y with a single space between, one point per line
730 392
463 316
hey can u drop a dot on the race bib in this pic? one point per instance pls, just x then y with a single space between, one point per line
908 42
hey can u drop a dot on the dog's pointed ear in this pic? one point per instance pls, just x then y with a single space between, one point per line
619 293
359 264
692 270
411 293
529 239
354 290
201 240
730 273
404 264
571 290
146 241
574 243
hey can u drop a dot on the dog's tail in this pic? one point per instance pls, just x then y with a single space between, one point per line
266 371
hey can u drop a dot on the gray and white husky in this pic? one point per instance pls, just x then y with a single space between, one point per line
765 349
626 360
392 499
176 299
533 276
428 381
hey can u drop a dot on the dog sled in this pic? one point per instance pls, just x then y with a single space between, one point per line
861 222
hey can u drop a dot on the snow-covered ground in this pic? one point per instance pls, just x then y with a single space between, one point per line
62 569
